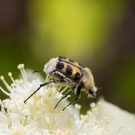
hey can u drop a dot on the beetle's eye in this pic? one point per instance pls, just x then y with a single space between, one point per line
91 91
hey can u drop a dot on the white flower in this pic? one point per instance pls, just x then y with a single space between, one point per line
38 116
107 119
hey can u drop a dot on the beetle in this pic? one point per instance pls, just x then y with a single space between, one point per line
64 70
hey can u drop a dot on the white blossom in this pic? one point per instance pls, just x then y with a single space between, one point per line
38 116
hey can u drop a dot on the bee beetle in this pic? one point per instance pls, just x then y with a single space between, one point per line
64 70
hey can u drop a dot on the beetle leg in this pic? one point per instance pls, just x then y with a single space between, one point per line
64 96
76 97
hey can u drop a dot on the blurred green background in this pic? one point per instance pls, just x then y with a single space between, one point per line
98 34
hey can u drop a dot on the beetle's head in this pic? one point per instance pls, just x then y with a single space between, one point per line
92 91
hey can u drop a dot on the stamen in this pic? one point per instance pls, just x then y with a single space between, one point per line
64 90
4 91
108 131
47 78
106 122
2 107
24 72
13 85
92 105
23 121
77 109
21 81
67 97
16 81
120 128
10 75
59 87
77 106
21 68
5 83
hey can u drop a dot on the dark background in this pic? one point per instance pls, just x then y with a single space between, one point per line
98 34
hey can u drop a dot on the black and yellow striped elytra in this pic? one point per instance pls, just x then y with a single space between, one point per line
69 68
68 71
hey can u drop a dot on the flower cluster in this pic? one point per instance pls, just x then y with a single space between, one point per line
38 116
